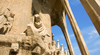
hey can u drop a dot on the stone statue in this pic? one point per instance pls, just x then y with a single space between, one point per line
25 26
34 19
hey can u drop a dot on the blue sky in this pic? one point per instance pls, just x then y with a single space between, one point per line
87 28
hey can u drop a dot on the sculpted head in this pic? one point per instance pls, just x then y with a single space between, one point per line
37 21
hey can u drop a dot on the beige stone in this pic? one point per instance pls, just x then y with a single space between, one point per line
92 8
37 51
25 26
14 47
77 32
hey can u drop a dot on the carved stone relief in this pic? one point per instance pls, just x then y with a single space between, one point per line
14 47
39 25
35 36
6 20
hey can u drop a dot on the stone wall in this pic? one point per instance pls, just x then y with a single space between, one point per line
25 27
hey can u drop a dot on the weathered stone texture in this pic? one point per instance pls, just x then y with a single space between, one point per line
92 7
22 11
25 26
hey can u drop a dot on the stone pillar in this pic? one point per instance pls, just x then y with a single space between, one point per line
77 32
68 53
58 46
92 8
62 49
65 52
63 26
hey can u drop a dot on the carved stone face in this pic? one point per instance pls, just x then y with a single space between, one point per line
27 43
38 22
37 18
14 47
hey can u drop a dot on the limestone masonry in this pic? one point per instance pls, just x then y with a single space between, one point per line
25 26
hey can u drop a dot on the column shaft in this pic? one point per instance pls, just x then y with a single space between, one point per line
77 32
63 26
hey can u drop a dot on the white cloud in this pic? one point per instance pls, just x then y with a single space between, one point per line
72 35
97 43
90 37
87 30
74 2
93 32
94 50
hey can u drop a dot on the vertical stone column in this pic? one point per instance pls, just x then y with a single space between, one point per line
58 46
68 53
92 8
65 52
63 26
77 32
62 49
